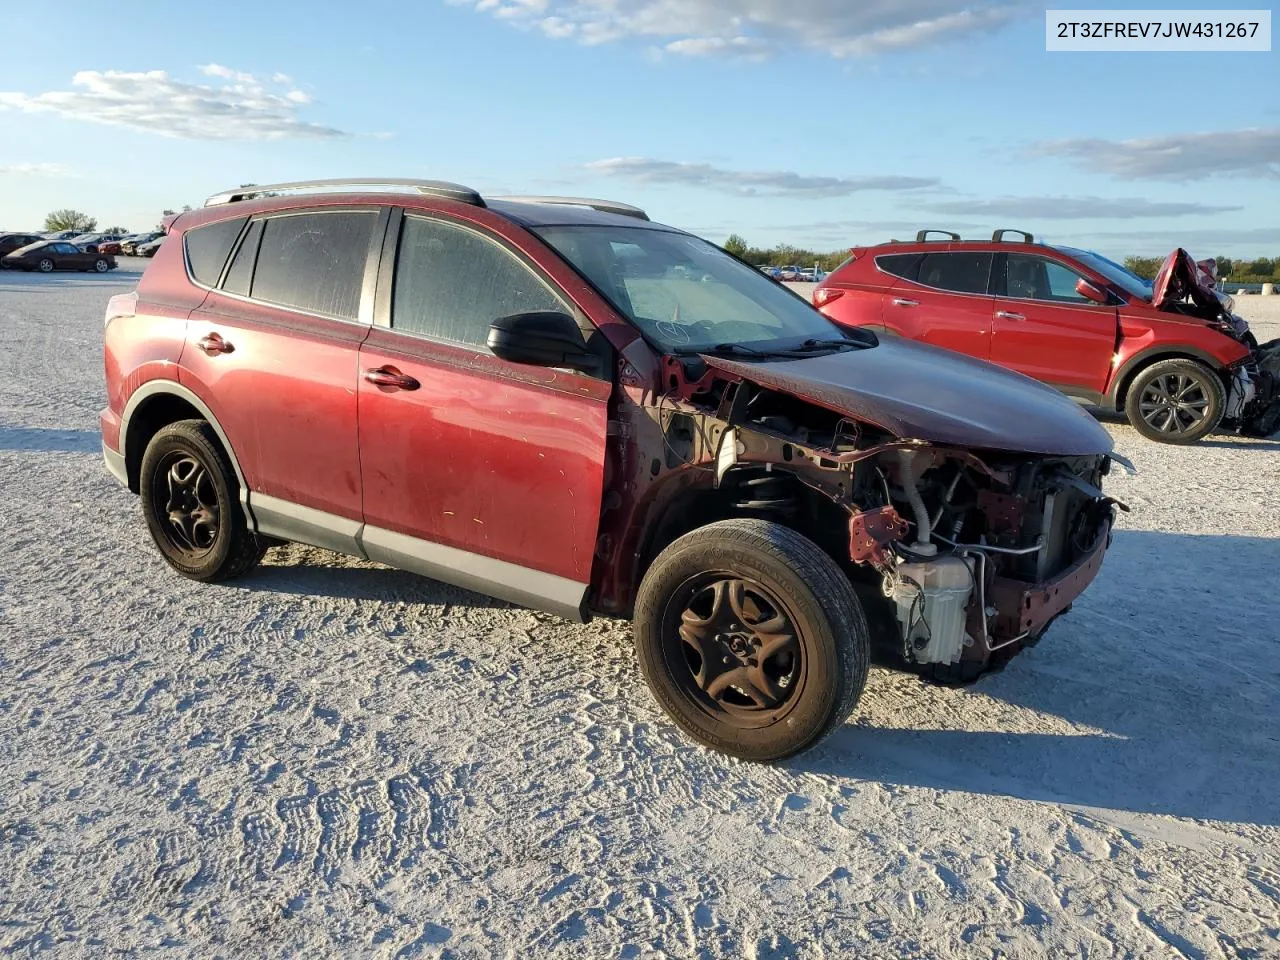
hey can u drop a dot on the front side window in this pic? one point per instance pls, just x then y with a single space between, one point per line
314 261
452 282
685 294
1037 278
956 272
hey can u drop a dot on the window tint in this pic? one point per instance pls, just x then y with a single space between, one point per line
208 246
240 275
900 265
314 262
1036 278
451 283
65 248
958 272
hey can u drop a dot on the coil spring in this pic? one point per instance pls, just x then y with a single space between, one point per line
766 494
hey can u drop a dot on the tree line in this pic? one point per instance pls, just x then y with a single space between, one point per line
1261 270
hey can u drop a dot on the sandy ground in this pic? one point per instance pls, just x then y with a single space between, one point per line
332 758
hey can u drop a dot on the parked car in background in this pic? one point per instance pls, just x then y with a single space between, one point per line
565 405
101 243
1171 356
10 242
49 255
61 235
129 245
770 271
791 273
149 248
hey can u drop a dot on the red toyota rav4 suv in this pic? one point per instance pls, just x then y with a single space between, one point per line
1170 355
562 404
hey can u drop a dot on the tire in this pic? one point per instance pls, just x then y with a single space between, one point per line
101 265
700 675
46 265
1175 401
185 473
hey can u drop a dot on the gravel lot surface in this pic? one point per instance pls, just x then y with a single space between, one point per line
332 758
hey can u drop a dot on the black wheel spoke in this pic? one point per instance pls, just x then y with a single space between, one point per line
190 503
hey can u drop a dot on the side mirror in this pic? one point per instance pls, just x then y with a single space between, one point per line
543 338
1089 291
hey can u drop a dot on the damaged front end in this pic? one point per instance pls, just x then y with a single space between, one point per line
960 554
1190 288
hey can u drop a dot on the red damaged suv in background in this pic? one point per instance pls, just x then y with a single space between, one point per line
559 403
1170 355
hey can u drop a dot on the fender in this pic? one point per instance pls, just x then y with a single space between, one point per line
172 388
1152 354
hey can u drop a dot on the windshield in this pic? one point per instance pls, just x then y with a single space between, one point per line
684 294
1122 277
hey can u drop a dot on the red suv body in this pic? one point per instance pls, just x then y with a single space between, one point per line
1071 319
564 405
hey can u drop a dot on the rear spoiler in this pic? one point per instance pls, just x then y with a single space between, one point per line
167 223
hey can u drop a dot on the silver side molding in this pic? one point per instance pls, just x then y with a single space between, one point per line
285 520
472 571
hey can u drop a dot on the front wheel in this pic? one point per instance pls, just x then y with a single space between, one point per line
46 265
751 638
1176 401
189 494
101 265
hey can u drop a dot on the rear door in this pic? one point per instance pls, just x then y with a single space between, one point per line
941 298
1042 327
476 471
274 351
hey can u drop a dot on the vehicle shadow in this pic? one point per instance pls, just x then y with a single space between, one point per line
308 571
24 281
41 440
1157 694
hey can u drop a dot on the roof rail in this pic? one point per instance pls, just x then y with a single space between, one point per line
434 188
998 236
923 235
604 206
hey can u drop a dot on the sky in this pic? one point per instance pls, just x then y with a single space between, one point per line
820 123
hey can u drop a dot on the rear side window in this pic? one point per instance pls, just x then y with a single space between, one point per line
957 272
208 246
451 283
900 264
314 262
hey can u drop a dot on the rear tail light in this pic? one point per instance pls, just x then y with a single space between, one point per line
121 305
824 295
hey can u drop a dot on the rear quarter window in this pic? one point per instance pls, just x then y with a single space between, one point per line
902 265
208 247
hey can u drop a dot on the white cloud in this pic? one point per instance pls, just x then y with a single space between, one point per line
1076 208
240 107
1181 156
35 170
751 182
753 28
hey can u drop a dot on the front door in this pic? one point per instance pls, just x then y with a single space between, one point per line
1042 327
476 471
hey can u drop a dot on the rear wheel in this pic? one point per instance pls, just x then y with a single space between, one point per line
101 265
1175 401
46 265
751 639
190 499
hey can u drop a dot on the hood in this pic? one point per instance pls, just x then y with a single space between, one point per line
918 392
1181 277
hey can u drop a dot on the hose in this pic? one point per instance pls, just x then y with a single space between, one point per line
924 527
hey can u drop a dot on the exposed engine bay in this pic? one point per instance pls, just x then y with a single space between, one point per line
961 556
1188 287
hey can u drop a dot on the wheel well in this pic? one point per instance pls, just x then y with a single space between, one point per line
777 496
153 414
1122 391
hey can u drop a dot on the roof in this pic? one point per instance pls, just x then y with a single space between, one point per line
529 214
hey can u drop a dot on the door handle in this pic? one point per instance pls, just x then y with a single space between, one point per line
213 344
391 377
904 302
1009 315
